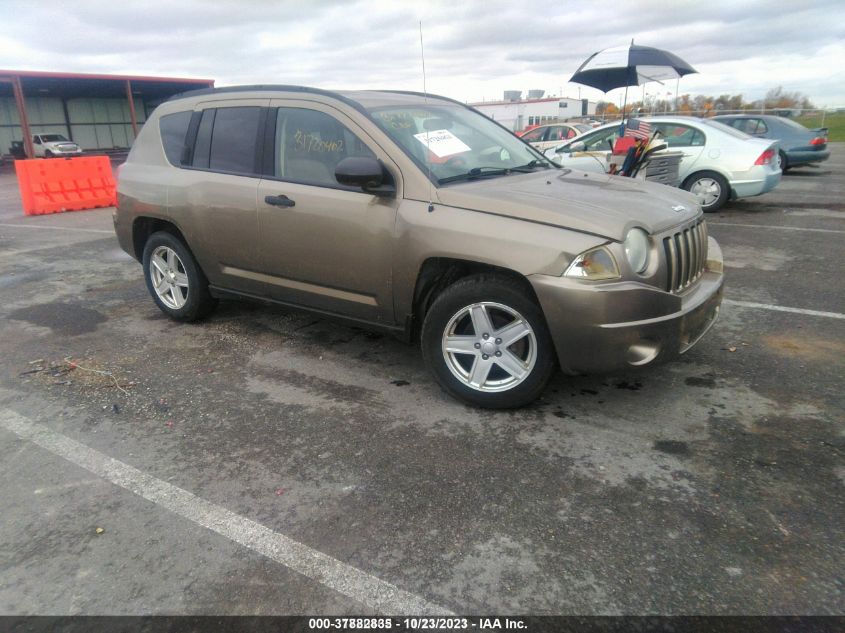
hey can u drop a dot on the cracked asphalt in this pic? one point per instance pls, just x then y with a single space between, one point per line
711 485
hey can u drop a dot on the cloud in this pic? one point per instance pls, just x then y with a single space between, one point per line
474 49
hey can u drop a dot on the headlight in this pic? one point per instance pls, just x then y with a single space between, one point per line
637 249
594 264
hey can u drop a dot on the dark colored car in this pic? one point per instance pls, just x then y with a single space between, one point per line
798 145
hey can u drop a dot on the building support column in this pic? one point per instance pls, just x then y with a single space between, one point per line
67 119
132 109
20 103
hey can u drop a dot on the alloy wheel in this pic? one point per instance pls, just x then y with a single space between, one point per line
170 280
489 347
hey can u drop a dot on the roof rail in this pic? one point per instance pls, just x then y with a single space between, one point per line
265 87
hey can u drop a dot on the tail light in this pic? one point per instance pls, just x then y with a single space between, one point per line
765 158
819 140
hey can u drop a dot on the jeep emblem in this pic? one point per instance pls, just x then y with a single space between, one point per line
679 208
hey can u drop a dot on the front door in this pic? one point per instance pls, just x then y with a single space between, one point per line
330 247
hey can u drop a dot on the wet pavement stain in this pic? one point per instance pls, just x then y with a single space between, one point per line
698 381
630 386
672 447
69 319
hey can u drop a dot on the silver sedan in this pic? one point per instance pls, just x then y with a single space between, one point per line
719 162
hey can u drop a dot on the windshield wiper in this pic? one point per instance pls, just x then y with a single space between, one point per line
482 172
532 164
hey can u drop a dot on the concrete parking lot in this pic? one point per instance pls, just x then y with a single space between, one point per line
270 462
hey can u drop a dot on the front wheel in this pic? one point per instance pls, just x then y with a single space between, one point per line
710 188
783 162
486 342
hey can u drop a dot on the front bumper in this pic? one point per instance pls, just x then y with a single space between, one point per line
600 327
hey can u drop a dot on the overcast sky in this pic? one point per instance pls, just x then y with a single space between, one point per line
473 49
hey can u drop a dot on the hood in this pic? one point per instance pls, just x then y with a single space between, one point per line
590 203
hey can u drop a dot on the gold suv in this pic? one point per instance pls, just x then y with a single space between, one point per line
418 216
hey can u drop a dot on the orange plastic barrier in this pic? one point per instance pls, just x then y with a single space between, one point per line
53 185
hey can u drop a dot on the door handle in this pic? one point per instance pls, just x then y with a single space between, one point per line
279 201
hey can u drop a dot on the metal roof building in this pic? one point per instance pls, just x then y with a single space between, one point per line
98 112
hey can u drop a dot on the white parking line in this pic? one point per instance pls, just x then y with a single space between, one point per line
768 306
368 590
771 226
55 228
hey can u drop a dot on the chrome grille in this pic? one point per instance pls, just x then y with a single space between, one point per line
686 256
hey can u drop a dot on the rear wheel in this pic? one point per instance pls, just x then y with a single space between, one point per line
486 342
710 188
174 279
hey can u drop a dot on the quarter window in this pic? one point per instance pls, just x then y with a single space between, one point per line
173 128
310 144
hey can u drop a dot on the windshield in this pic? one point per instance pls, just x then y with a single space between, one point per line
52 138
462 144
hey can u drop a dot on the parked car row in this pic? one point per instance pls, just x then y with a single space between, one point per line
719 162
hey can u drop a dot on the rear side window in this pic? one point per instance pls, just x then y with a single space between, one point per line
677 135
202 147
233 140
173 128
226 140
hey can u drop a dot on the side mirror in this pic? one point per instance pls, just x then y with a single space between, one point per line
577 146
364 172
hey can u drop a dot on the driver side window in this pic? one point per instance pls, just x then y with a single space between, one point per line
534 135
310 144
603 141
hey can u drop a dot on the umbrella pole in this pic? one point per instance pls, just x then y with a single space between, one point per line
624 103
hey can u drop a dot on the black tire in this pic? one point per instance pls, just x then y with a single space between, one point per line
724 189
499 290
784 162
48 153
198 302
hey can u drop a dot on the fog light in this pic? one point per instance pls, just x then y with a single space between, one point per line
643 352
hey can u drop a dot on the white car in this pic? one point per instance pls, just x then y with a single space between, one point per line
49 145
550 135
719 162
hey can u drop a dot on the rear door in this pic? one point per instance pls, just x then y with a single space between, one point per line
684 138
331 247
213 196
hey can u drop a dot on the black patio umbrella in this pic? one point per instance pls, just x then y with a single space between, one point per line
631 65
